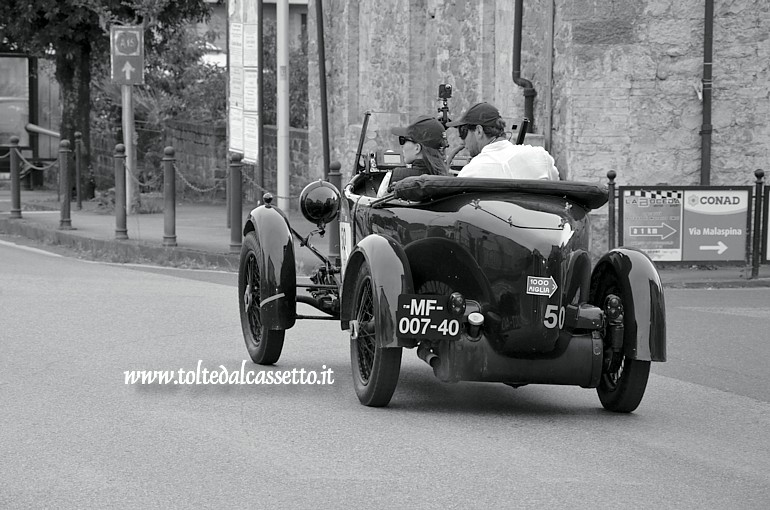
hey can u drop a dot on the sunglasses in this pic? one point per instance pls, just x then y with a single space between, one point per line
402 140
463 130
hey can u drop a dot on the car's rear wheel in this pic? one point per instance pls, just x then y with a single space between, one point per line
375 369
264 345
623 380
621 391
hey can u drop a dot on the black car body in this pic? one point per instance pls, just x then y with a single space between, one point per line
488 279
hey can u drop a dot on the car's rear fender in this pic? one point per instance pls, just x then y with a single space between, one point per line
642 295
278 285
391 276
457 268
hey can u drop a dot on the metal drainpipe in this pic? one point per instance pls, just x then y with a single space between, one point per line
706 128
529 90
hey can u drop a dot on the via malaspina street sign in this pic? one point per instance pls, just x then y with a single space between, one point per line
716 224
127 55
687 223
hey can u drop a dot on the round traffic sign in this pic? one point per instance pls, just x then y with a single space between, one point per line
127 43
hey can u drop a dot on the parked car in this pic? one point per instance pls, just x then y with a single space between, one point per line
485 279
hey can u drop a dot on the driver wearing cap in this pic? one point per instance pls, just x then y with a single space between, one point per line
482 130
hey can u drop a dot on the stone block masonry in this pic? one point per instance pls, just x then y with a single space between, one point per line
201 154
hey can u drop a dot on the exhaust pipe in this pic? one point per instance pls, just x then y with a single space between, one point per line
425 353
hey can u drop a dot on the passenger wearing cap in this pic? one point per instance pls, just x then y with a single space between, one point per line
482 130
421 143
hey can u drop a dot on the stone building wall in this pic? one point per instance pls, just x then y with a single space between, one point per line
620 90
391 57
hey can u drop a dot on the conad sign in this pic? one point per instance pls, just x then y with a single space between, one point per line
686 223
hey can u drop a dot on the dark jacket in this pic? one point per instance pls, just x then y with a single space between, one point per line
418 168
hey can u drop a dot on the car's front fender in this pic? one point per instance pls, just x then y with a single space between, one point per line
391 276
278 277
642 296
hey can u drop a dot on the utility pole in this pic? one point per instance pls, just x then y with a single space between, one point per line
284 164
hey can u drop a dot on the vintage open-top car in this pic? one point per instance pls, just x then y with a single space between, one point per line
487 279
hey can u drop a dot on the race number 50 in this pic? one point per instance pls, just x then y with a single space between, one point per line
554 316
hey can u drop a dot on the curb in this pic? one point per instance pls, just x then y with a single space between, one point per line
120 251
719 284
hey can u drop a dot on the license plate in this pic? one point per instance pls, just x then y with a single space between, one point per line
424 316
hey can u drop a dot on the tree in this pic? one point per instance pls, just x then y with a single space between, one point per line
297 77
77 33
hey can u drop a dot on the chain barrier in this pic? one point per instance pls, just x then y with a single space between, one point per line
193 187
147 184
265 190
6 155
30 166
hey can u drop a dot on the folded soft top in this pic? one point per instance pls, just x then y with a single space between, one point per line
431 187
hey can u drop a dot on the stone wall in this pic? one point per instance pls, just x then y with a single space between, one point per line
620 92
201 150
102 158
618 82
391 57
201 154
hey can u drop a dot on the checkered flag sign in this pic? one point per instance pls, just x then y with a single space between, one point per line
655 195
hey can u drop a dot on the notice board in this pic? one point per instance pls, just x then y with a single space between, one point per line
242 95
686 223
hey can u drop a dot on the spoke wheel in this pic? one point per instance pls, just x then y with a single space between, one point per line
264 345
375 369
623 380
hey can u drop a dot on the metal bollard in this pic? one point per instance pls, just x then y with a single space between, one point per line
78 163
757 234
121 231
335 179
169 195
236 205
611 206
65 223
15 178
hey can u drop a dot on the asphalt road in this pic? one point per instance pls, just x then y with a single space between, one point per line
73 434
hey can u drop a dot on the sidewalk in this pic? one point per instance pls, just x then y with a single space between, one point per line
202 235
203 240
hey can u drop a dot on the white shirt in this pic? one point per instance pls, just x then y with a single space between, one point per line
504 160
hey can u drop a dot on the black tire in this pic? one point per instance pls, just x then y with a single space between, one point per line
264 345
622 385
375 369
622 391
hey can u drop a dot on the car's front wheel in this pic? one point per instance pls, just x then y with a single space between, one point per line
264 345
375 369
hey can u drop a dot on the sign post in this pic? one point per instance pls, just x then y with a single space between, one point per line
127 69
